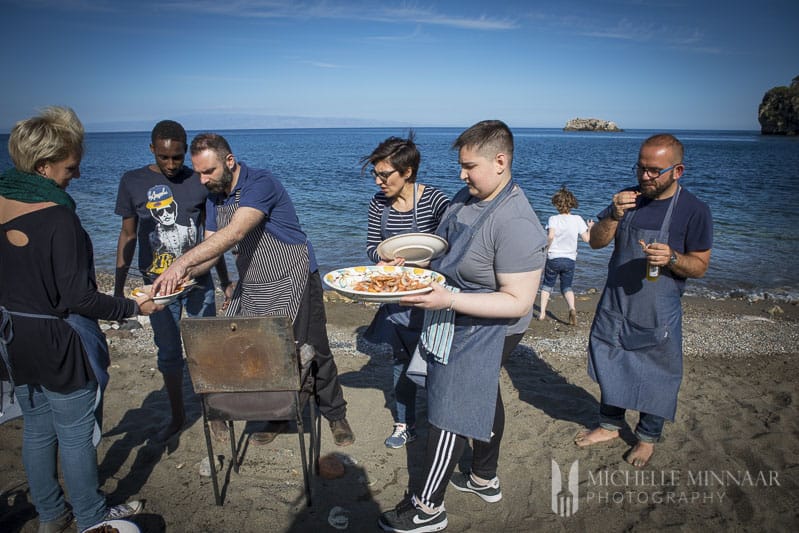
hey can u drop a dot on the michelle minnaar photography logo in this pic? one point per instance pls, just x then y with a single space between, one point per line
661 487
565 500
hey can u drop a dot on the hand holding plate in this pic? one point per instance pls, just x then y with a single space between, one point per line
146 304
438 298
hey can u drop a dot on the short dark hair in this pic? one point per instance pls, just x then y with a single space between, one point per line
168 129
213 142
489 137
402 154
669 141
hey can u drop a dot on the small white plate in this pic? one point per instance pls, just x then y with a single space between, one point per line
343 280
123 526
164 299
416 248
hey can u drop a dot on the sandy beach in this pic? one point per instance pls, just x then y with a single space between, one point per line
728 462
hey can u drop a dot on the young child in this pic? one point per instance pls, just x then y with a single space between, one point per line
564 228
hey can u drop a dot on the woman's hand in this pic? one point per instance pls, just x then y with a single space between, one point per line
146 304
439 298
397 261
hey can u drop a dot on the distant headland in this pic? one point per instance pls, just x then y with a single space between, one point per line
590 124
779 111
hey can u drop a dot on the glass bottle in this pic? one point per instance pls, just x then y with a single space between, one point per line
652 271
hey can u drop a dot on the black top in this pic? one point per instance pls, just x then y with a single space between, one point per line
53 274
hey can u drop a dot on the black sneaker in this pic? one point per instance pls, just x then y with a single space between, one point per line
489 493
409 518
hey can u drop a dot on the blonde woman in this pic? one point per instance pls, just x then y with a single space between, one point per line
57 355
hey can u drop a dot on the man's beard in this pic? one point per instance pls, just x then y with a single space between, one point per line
653 192
219 187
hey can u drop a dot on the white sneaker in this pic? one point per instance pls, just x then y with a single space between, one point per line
120 511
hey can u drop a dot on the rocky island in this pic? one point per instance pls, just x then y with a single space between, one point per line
591 124
779 111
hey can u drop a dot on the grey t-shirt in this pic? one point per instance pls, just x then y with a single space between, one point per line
510 241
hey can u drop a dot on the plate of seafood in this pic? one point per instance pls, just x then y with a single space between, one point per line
164 299
384 284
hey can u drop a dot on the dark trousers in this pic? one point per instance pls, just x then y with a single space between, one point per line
444 448
310 327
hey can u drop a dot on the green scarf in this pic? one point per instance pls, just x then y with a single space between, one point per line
32 188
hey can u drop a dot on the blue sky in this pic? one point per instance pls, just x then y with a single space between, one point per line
676 64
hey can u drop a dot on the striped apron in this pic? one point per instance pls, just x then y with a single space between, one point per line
272 274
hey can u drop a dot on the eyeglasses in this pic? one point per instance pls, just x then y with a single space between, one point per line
382 175
652 172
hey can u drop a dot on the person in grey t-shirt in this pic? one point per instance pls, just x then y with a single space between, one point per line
493 268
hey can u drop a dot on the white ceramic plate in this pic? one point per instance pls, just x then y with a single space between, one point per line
123 526
417 248
164 299
344 279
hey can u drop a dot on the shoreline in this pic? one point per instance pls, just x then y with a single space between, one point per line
738 411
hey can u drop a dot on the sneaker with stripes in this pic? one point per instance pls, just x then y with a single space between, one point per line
409 517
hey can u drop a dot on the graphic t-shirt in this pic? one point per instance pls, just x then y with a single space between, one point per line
171 213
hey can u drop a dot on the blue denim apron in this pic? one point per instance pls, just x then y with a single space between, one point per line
462 394
392 315
94 344
635 345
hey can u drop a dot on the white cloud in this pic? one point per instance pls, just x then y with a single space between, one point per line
406 13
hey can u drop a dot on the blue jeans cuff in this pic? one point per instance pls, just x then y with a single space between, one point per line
643 437
610 425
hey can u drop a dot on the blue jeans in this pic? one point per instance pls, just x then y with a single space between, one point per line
403 343
559 266
61 425
649 427
166 324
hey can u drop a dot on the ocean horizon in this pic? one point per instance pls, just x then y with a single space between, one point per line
749 181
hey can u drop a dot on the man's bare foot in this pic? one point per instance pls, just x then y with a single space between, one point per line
641 453
594 436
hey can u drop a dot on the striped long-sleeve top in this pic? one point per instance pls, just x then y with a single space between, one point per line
430 208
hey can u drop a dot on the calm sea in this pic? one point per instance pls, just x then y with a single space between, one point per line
750 182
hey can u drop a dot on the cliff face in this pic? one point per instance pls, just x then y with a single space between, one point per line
779 111
590 124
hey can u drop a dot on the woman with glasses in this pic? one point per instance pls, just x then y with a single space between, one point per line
52 346
402 205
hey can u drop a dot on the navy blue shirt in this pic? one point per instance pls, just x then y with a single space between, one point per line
260 190
691 228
